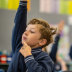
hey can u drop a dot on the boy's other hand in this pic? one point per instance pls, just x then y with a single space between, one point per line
25 50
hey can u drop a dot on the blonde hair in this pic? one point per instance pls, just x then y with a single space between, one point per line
46 31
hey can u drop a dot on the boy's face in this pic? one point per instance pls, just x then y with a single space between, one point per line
32 36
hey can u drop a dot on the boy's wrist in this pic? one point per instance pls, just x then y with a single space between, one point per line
23 0
23 3
27 54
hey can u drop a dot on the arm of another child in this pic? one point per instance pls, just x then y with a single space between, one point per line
57 38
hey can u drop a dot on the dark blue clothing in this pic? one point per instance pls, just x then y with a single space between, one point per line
70 52
39 61
54 48
53 54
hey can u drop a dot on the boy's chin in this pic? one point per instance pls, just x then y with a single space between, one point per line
23 42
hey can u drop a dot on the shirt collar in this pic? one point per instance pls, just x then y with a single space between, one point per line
36 50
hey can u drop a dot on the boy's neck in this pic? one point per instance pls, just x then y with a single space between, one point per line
33 47
37 47
40 48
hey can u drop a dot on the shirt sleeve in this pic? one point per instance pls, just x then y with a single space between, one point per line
42 65
20 24
54 48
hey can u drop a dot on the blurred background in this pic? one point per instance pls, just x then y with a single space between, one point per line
51 10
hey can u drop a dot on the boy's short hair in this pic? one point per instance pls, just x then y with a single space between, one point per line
46 31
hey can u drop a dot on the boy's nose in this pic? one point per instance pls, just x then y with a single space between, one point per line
26 32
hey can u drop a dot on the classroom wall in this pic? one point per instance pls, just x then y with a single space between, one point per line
7 23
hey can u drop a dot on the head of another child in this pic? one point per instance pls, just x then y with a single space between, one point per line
38 33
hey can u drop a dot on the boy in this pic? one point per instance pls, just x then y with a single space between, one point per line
27 43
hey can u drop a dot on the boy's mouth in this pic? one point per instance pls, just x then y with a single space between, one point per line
24 38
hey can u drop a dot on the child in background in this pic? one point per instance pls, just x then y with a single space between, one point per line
59 62
28 41
54 51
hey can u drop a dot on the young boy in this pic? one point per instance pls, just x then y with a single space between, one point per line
27 43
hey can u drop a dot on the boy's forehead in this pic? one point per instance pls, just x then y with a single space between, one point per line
33 26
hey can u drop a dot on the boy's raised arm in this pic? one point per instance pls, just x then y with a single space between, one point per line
20 24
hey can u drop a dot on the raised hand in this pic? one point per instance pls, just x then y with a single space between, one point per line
60 27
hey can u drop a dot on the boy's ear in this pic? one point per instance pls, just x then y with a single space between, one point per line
42 42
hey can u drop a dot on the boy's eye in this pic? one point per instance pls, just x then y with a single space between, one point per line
32 31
